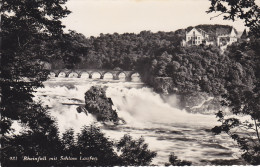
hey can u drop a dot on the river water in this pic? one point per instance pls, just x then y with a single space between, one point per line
164 127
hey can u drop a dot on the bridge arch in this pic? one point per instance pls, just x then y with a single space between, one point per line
52 74
72 74
135 76
83 74
121 75
95 75
61 74
108 75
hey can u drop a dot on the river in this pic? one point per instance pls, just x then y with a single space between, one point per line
164 127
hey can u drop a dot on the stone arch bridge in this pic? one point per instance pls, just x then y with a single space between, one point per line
90 72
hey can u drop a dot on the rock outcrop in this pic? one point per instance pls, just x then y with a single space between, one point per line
196 102
201 102
99 105
163 85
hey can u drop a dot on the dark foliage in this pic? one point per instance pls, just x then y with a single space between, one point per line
126 51
40 137
246 10
243 97
26 26
177 162
134 152
193 69
89 148
92 142
68 51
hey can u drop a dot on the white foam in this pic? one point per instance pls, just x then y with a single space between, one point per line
144 111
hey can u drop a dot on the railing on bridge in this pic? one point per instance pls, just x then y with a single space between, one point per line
90 72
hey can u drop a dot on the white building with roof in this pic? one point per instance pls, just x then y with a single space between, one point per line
226 38
195 36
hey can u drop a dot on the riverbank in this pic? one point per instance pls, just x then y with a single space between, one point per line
195 102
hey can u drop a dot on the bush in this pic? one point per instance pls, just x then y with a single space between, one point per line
134 152
177 162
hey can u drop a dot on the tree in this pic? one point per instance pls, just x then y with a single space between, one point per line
26 25
68 143
94 60
41 137
244 35
162 63
177 162
243 98
246 10
26 28
92 142
72 48
134 152
243 102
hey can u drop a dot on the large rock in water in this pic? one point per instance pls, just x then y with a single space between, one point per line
100 106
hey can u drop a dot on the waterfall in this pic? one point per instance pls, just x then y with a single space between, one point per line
165 127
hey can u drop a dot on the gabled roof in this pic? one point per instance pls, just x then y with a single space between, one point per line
193 29
202 30
244 35
224 31
198 30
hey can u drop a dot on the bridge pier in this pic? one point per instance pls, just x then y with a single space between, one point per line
128 78
67 75
115 76
56 72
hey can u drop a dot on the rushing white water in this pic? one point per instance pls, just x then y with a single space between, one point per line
167 129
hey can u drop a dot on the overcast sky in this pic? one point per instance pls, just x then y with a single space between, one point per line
92 17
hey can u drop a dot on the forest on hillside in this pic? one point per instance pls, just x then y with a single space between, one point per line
193 69
109 51
31 34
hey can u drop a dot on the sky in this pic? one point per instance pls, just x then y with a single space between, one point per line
92 17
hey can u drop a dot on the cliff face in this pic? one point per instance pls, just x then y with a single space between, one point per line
201 102
197 102
163 85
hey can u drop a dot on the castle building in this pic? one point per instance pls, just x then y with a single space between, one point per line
225 37
197 36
